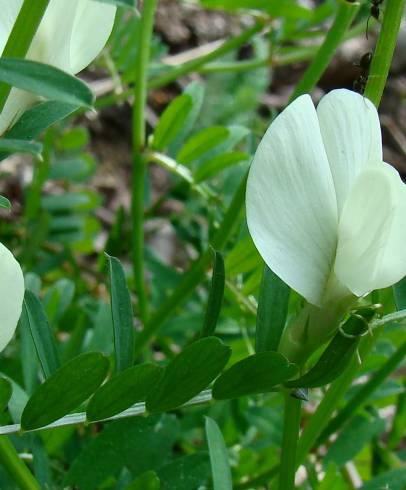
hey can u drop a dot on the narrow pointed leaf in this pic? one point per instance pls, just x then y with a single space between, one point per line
220 467
217 164
122 315
188 374
65 390
202 142
258 373
34 320
38 118
171 121
46 81
335 358
10 146
123 390
272 311
215 297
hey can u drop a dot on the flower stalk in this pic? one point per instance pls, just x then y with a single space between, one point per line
385 47
139 160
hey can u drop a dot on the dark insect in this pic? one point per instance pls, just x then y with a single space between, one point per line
363 64
374 12
360 83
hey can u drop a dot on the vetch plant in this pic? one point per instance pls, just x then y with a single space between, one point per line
62 40
325 212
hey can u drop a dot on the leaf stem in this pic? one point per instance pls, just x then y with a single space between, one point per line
139 161
385 47
345 15
10 459
291 427
21 36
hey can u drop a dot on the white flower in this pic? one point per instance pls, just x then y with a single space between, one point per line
327 215
71 34
11 293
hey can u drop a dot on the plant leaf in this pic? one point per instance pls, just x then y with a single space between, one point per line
126 388
171 121
34 320
46 81
255 374
122 315
5 393
10 146
188 374
272 311
5 203
38 118
215 297
65 390
220 468
202 142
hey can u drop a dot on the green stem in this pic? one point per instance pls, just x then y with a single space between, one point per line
385 47
334 37
196 273
361 397
291 427
139 161
21 36
11 461
193 65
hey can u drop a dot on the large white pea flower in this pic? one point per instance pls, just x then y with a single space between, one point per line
71 34
325 212
11 294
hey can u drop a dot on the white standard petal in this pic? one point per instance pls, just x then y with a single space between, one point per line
372 232
291 203
9 10
351 132
92 27
12 294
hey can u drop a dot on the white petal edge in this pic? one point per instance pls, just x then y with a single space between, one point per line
290 201
351 133
9 10
95 18
11 293
372 232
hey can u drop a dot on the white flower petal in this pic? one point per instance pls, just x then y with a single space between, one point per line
291 204
372 232
11 293
351 132
51 43
95 18
9 10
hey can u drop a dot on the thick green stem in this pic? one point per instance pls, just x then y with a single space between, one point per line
21 36
139 161
291 427
345 15
385 47
195 274
11 461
